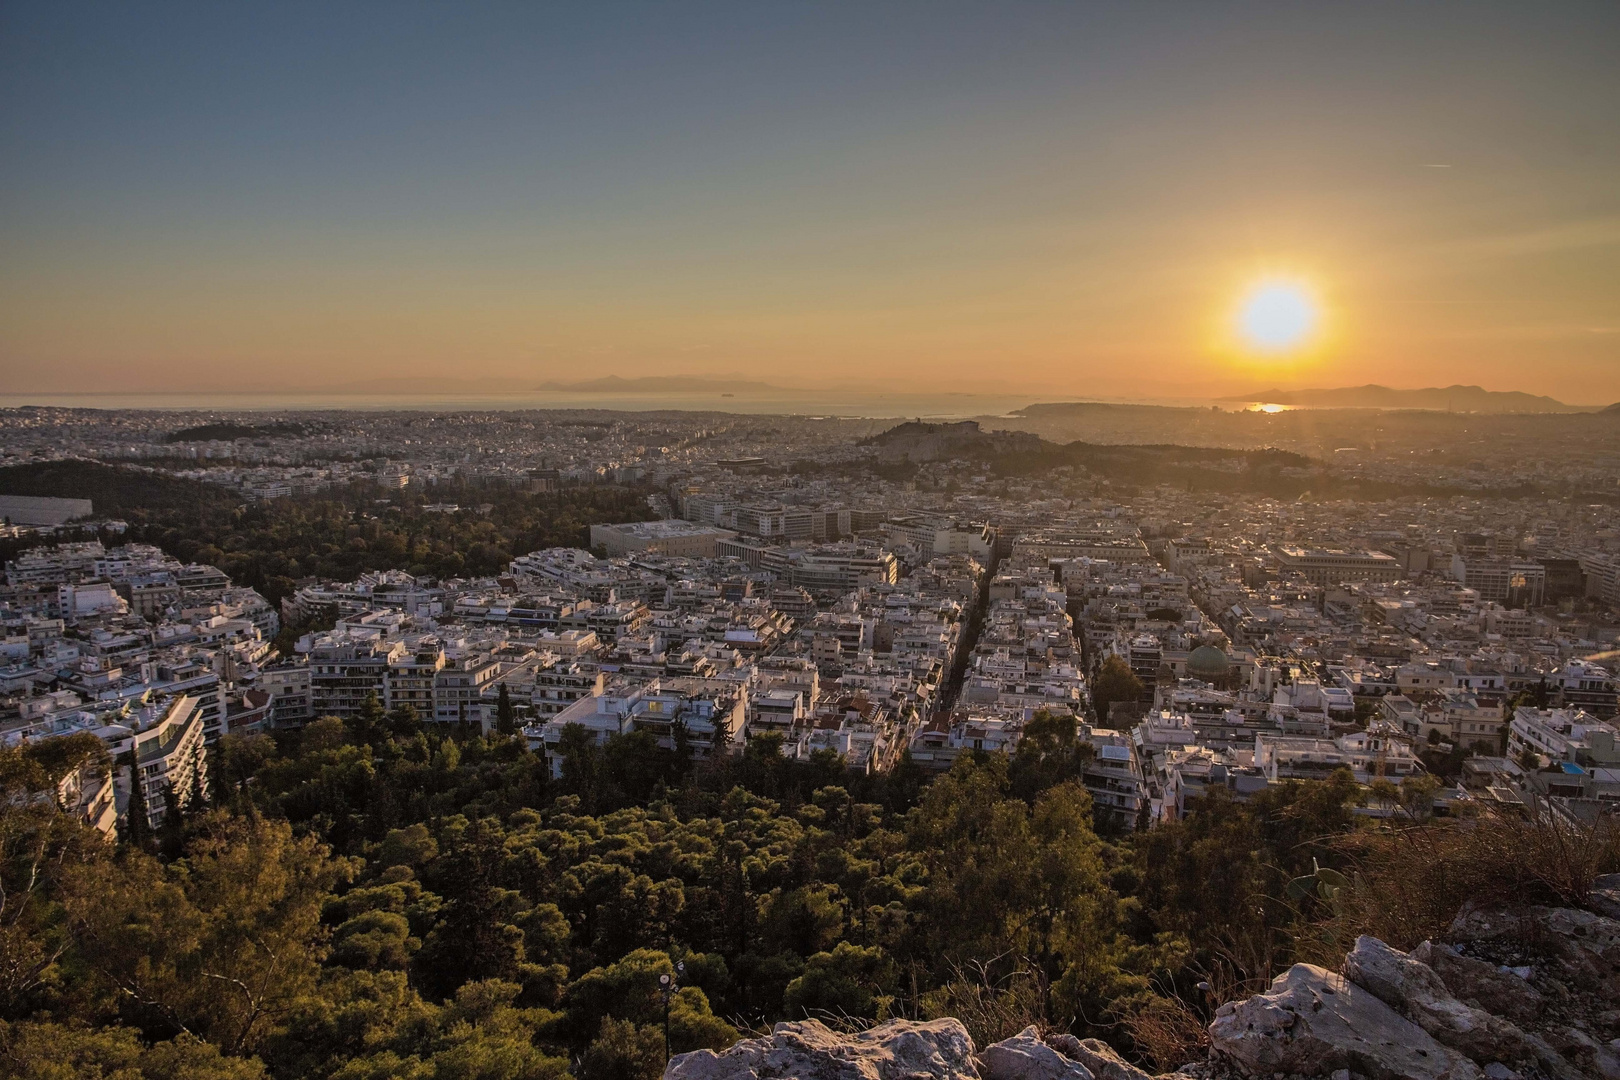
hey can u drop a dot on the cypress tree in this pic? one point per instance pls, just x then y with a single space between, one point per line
505 714
135 831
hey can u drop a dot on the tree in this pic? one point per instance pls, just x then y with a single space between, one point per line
624 1051
171 831
135 828
505 714
1115 681
234 760
848 981
222 945
368 726
48 1051
1050 753
404 722
37 842
476 937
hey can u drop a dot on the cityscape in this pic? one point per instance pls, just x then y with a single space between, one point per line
1027 544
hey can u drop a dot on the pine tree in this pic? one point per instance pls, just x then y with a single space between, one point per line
368 726
720 741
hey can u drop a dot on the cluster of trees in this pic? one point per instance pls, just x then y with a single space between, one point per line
374 899
339 533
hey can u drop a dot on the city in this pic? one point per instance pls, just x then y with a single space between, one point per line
847 590
884 541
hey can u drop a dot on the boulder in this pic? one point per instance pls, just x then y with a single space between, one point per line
1482 985
1412 988
1591 1057
1313 1023
809 1050
1026 1057
1584 945
1605 896
1099 1057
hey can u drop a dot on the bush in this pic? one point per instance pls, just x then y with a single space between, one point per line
1411 882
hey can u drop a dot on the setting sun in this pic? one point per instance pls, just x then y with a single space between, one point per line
1277 317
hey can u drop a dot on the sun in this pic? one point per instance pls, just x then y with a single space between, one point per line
1277 316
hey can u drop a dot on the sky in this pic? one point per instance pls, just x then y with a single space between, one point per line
1052 198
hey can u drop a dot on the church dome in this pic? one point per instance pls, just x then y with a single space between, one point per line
1207 662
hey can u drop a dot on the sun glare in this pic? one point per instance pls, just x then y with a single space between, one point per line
1276 317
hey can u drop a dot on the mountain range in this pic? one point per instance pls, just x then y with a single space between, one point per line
1440 398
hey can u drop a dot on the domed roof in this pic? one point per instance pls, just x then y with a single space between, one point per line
1207 660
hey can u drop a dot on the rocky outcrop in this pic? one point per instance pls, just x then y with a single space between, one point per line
1103 1060
1527 993
1583 946
1413 989
1484 986
1314 1023
1605 896
809 1050
1026 1057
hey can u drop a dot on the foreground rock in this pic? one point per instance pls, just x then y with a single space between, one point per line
1096 1055
809 1050
1585 947
1313 1023
1521 993
1026 1057
1484 986
1413 989
904 1050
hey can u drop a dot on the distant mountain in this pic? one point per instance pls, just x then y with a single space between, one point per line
1441 398
654 384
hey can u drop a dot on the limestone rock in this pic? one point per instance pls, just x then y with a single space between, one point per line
1584 945
1412 989
1099 1057
1312 1022
1482 985
809 1050
1026 1057
1605 897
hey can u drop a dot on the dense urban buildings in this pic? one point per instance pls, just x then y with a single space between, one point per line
787 581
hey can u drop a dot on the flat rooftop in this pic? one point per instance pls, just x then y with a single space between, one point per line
663 530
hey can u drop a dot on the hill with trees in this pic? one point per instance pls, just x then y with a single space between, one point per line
375 899
338 533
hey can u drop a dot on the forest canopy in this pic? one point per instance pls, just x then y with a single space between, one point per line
336 534
372 899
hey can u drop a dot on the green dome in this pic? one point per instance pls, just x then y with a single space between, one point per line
1207 661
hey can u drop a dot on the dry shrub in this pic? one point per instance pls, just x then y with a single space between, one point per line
1410 882
1228 979
1167 1031
992 1007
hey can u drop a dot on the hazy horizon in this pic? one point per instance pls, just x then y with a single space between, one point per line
1006 200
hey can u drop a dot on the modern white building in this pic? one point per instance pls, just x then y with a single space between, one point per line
671 537
1566 735
1331 566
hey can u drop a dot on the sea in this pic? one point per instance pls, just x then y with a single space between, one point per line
876 405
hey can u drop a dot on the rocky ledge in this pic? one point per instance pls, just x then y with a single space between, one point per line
1527 992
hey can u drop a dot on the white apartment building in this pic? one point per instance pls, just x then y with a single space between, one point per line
1571 735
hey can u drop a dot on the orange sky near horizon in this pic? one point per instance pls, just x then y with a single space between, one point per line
1018 199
